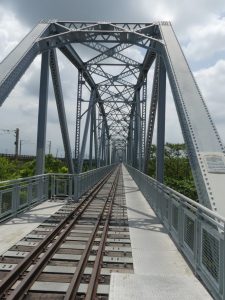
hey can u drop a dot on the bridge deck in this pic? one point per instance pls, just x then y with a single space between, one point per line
160 271
17 228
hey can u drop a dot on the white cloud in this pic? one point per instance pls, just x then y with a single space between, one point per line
207 40
198 25
20 109
11 31
212 84
183 14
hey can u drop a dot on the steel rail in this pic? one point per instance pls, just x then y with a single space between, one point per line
92 287
74 284
25 284
15 274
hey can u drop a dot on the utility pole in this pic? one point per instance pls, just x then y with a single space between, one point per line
49 147
16 142
20 147
16 134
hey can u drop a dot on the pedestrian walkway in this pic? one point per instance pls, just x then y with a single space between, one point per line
160 271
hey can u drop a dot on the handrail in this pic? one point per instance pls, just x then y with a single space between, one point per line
19 194
187 199
198 232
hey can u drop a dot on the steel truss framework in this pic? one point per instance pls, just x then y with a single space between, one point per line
112 122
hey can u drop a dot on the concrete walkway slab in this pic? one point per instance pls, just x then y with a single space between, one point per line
157 287
160 271
15 229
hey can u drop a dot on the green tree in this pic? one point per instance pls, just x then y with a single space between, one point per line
8 169
177 171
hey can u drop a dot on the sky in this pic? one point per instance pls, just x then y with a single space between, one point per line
200 28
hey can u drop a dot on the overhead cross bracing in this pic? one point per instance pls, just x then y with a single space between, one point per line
113 123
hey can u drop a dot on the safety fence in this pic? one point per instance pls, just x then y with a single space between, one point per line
73 186
20 194
197 231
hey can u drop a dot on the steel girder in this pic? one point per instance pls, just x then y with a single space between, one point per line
161 121
78 121
61 109
205 148
84 140
152 115
16 63
42 114
120 97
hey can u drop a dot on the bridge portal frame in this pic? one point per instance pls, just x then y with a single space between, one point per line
122 124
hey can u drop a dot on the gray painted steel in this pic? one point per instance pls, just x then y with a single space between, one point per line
152 115
20 194
197 231
15 64
200 134
61 109
118 113
161 121
42 114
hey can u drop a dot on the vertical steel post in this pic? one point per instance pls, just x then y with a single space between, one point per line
127 153
113 153
131 141
137 132
42 114
100 131
143 122
135 135
78 120
95 135
104 148
161 122
91 138
102 144
108 152
84 140
61 109
152 114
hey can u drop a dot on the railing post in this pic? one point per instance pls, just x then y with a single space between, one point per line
15 198
52 185
180 224
40 188
221 268
70 186
223 264
198 241
76 187
29 191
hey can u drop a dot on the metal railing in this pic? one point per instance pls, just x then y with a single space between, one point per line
20 194
17 195
74 186
197 231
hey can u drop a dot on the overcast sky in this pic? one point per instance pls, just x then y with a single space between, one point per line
199 25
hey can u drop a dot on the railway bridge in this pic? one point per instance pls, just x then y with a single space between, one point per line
113 232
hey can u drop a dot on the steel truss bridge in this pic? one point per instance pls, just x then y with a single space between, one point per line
113 124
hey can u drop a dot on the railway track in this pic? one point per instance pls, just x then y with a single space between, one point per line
72 254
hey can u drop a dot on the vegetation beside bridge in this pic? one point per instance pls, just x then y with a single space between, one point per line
177 169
